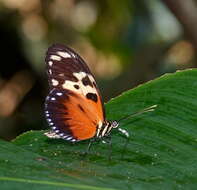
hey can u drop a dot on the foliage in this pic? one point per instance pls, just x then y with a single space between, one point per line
161 152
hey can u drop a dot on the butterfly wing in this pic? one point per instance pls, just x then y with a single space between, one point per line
73 107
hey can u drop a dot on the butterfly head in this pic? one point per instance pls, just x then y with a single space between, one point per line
106 127
114 124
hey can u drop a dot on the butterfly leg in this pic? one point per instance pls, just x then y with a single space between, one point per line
126 134
108 141
125 147
89 146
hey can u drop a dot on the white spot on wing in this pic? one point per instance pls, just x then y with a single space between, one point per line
64 54
53 98
54 82
82 89
73 55
69 138
59 94
50 72
61 74
55 57
70 85
80 75
50 63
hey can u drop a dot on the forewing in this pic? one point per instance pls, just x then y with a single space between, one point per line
63 64
69 75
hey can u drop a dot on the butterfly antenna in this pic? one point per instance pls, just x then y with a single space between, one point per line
88 147
148 109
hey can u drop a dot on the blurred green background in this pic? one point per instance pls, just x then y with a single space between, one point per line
125 43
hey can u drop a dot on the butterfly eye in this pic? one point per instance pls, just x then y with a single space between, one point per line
114 124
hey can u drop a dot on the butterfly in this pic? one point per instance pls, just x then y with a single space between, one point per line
74 108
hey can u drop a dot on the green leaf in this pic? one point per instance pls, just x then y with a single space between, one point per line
161 152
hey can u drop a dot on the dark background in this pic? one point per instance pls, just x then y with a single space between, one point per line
125 43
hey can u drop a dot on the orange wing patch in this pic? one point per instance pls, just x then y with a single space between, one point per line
84 115
73 116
